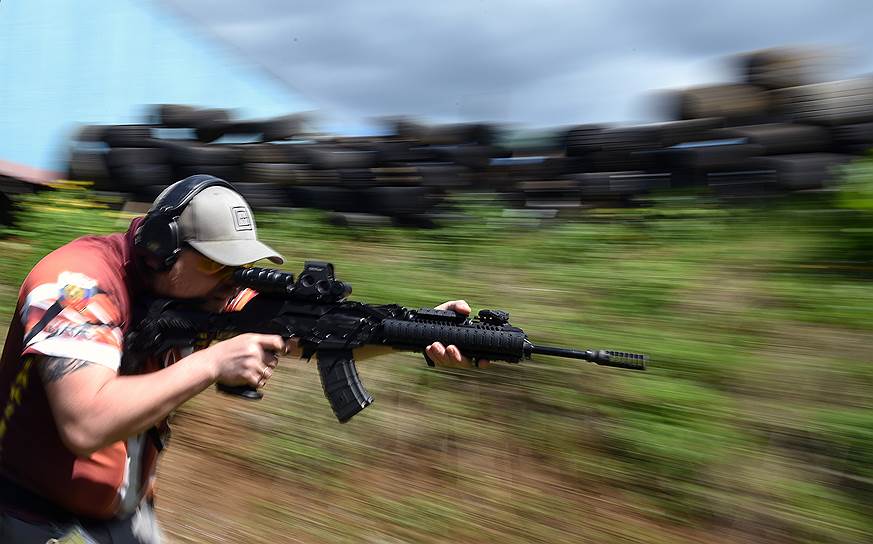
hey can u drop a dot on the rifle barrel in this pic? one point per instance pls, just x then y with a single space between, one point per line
605 357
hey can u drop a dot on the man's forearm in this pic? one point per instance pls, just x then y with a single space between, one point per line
146 399
92 416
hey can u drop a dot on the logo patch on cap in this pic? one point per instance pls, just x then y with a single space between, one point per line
241 218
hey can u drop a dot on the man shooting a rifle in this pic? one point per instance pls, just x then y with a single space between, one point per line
80 427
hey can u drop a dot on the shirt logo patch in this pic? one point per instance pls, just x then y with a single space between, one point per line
75 289
241 218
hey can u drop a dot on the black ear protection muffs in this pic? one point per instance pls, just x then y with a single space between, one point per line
158 238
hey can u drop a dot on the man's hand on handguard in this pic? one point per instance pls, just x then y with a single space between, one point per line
451 356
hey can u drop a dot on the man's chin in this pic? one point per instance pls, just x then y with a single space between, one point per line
208 304
215 304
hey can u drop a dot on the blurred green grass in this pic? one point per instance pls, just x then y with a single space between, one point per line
753 423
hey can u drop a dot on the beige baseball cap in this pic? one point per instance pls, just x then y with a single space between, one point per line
219 224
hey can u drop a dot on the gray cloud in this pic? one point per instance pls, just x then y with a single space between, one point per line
548 62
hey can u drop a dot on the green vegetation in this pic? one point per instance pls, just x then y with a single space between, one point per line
753 423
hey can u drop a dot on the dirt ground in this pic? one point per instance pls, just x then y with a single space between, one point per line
207 495
209 491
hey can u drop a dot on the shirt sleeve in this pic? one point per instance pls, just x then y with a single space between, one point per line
70 316
242 297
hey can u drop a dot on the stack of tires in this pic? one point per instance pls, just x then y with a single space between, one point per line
335 178
717 156
403 176
619 164
778 128
140 161
87 158
372 184
138 164
537 181
206 154
407 175
449 156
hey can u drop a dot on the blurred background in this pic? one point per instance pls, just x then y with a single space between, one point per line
683 179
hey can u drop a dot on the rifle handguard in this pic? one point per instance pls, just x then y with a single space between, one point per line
475 341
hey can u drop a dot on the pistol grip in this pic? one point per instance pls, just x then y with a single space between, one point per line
244 391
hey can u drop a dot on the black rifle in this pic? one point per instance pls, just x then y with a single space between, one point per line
314 309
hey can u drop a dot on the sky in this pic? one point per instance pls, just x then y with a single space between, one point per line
538 63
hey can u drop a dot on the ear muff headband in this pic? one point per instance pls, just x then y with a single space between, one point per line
158 238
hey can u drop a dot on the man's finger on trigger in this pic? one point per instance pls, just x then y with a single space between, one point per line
271 342
280 344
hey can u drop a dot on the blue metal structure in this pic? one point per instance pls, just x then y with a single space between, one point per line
67 63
